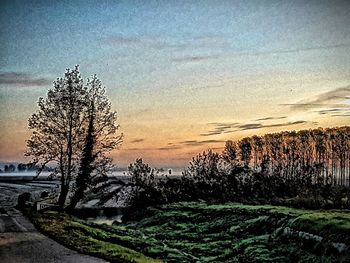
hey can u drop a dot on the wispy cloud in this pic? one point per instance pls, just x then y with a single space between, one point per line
341 115
135 41
199 143
194 58
333 95
340 45
210 133
221 128
22 79
271 118
335 112
223 124
156 42
327 99
331 111
119 40
254 126
250 126
166 148
137 140
294 50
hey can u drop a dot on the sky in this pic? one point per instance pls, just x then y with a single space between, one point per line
184 76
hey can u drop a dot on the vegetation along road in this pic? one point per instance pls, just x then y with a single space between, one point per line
21 242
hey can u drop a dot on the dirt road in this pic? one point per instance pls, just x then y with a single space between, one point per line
20 242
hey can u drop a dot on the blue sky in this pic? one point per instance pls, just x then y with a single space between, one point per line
177 66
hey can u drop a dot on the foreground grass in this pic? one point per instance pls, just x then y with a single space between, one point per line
73 233
198 232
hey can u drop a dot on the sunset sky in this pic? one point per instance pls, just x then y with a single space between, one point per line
184 76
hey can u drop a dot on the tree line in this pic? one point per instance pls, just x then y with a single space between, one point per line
308 168
23 167
325 153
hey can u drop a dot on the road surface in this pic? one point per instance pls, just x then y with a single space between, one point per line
20 242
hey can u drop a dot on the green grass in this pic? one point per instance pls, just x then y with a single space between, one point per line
200 232
73 233
334 225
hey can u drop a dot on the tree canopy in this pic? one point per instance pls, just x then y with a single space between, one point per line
73 118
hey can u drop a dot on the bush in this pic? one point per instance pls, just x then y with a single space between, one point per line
147 190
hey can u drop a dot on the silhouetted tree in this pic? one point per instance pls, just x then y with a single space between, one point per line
246 150
147 187
9 168
205 171
74 127
230 153
21 167
58 129
100 139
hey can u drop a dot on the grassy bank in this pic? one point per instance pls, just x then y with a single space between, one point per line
198 232
77 235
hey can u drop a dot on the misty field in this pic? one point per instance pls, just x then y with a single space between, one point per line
200 232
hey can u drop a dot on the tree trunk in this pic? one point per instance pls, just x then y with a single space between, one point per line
63 196
84 175
65 185
78 195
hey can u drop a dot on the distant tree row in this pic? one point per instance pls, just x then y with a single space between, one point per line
8 168
309 168
322 152
22 167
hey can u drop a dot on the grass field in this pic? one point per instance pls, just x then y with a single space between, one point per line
199 232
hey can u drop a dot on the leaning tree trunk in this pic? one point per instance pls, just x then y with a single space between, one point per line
78 195
84 175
